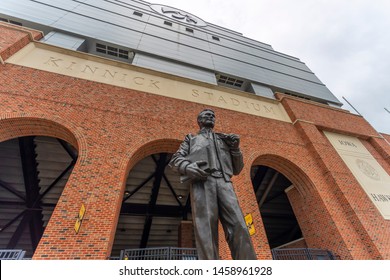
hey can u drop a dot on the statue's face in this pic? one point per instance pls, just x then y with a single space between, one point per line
206 119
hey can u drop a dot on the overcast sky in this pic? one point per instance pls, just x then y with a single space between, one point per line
346 43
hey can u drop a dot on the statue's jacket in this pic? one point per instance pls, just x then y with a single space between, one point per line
213 150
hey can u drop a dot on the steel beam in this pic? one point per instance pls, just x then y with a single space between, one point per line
42 195
3 228
153 199
268 188
138 209
139 187
12 190
31 183
169 184
68 149
17 234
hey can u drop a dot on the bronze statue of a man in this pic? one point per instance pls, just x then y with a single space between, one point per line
209 160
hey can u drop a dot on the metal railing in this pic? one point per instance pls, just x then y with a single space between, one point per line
173 253
302 254
12 254
161 253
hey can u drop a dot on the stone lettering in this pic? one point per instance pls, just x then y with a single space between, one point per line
268 109
90 69
138 80
210 94
71 65
374 197
53 61
221 99
380 197
256 106
154 84
347 143
105 73
123 79
109 72
195 93
235 102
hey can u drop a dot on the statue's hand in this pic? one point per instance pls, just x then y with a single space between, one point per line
234 141
193 170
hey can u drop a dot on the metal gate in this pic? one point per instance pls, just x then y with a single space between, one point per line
173 253
161 253
302 254
12 254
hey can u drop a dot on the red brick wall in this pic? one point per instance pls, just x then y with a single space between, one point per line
350 209
13 38
114 128
186 232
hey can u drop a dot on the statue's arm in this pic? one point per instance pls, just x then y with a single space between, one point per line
179 162
237 160
233 141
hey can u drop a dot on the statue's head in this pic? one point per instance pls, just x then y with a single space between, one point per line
206 118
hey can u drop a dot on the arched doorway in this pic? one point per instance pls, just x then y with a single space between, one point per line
280 223
33 173
155 207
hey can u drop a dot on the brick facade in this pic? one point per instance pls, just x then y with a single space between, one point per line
113 128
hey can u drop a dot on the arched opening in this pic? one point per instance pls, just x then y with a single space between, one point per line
280 223
155 209
33 173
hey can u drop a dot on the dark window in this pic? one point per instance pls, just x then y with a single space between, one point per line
215 38
15 22
112 51
167 23
222 79
137 14
295 95
11 21
101 48
189 30
123 54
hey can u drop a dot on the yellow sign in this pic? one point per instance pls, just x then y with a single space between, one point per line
249 224
77 225
79 218
82 212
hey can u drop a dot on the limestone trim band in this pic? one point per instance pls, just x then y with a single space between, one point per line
89 67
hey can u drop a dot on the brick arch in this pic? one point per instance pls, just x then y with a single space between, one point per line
163 145
138 153
29 124
289 169
22 124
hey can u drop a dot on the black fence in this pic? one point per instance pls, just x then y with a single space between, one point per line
12 254
173 253
162 253
302 254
